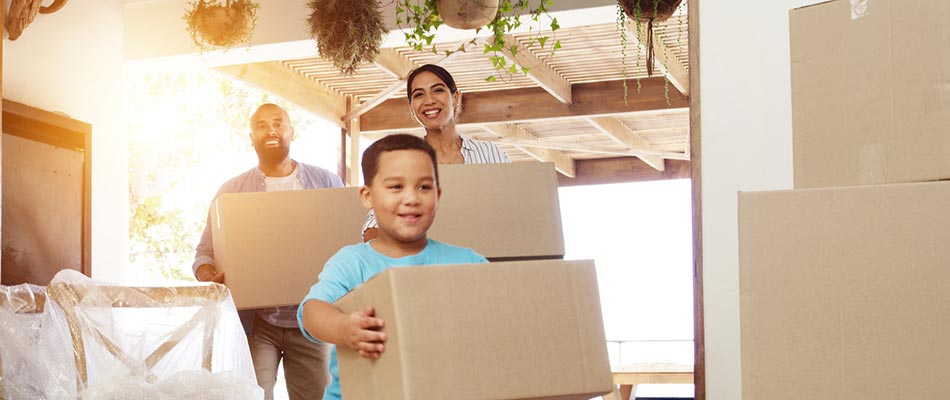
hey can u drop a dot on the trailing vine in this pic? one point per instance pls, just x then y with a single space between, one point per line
423 18
660 10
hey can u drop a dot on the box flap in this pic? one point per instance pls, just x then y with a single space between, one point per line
377 291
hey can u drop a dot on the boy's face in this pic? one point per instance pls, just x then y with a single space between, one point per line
403 195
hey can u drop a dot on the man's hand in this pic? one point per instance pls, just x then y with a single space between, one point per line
363 333
208 273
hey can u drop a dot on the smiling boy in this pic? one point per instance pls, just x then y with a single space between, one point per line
402 188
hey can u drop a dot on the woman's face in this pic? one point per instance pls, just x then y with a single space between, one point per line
431 101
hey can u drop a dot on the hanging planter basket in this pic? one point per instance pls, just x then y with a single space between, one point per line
649 12
348 32
221 23
467 14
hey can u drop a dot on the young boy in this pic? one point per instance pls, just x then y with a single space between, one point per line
402 187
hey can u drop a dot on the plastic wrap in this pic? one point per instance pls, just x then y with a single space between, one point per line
32 354
151 342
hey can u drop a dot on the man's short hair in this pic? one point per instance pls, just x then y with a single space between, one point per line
399 141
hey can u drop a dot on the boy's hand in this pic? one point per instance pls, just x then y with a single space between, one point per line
363 333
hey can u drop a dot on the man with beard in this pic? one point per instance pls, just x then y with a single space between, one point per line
274 331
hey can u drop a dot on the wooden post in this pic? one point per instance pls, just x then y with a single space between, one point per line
341 162
352 127
695 152
2 18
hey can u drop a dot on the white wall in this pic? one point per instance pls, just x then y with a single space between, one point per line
71 61
746 145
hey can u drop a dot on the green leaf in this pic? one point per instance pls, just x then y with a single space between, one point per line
557 44
542 40
490 78
554 24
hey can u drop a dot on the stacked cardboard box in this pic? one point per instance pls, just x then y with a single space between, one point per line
503 211
506 330
525 329
870 92
843 281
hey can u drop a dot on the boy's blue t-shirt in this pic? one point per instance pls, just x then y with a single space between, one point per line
355 264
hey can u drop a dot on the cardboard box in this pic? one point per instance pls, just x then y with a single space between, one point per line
870 93
507 330
502 211
844 292
273 245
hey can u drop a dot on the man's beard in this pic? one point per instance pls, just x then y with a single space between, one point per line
271 155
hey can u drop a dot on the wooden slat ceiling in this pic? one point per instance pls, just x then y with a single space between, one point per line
652 123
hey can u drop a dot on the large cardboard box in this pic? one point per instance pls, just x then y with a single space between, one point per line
844 292
870 93
273 245
507 330
502 211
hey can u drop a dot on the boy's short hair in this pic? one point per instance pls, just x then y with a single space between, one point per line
399 141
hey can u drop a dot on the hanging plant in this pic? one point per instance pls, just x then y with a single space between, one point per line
649 12
347 32
213 24
425 17
467 14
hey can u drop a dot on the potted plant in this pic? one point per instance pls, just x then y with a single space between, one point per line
347 32
213 24
467 14
425 17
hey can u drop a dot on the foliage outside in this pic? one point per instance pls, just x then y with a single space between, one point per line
188 134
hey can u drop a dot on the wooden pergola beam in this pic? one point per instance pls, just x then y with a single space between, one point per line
621 170
562 163
543 144
538 70
535 104
382 96
275 77
395 64
619 132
